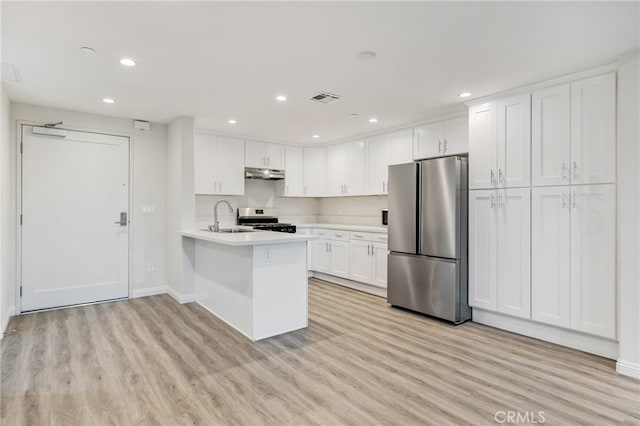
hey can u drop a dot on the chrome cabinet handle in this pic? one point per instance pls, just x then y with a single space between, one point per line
493 177
215 186
444 151
500 177
564 172
220 186
287 189
439 146
493 201
330 248
564 199
368 249
575 170
500 204
326 246
574 200
372 252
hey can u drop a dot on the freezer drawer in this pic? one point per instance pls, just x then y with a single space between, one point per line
433 286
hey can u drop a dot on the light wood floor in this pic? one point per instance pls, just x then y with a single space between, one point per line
153 361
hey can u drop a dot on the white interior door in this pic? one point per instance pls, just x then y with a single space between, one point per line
74 247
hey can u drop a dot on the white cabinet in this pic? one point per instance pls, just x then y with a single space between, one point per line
361 268
346 169
499 251
380 256
550 142
320 258
314 169
500 143
593 274
483 146
383 151
593 130
339 254
262 154
218 165
293 183
446 137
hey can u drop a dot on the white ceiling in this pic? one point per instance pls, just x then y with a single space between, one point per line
217 61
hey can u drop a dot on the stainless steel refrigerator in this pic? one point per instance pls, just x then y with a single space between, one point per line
428 238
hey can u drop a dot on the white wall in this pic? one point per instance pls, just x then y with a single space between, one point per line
147 183
352 210
180 208
258 193
629 215
7 215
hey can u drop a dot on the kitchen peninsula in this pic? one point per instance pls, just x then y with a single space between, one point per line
254 281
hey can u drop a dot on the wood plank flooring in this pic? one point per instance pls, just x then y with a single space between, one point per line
360 362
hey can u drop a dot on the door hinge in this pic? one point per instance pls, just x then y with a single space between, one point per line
20 219
20 291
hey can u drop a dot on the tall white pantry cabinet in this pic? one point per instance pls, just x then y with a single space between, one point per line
542 206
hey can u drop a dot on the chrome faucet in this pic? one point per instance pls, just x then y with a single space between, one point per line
215 227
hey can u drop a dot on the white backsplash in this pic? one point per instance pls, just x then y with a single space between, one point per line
352 210
258 193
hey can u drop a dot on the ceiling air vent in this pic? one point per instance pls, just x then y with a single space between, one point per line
325 97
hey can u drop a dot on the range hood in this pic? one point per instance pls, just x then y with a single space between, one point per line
264 174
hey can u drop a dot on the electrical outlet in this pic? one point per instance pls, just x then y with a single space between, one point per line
151 267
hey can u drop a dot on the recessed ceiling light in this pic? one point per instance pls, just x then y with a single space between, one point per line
465 94
367 55
88 50
108 101
353 115
128 62
373 120
281 98
315 136
232 121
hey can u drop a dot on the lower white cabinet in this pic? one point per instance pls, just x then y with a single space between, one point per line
339 254
573 258
368 262
499 251
320 259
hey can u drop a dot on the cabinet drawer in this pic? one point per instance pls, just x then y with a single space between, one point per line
368 236
332 234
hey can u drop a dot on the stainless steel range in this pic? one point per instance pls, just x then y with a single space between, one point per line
263 219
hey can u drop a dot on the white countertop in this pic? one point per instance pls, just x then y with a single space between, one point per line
246 238
357 228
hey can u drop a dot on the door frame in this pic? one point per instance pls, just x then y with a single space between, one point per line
19 128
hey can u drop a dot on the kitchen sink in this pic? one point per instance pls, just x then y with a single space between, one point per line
229 230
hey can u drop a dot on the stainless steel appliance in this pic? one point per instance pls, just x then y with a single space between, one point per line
263 219
263 174
428 238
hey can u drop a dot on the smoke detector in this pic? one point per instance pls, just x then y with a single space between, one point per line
325 97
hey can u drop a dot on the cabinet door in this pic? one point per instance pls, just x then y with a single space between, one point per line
275 156
320 260
401 143
336 169
294 172
456 136
339 253
255 154
380 254
550 144
230 166
483 264
360 262
428 140
205 169
593 260
378 151
593 129
514 252
354 184
550 255
514 141
483 146
314 169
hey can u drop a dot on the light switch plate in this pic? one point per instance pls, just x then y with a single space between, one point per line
148 210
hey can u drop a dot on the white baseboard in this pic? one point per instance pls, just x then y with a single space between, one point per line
560 336
151 291
376 291
181 298
628 369
11 311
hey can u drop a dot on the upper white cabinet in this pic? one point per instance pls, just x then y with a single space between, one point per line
593 130
440 138
499 251
514 141
550 142
293 183
483 146
314 170
500 143
218 165
262 154
383 151
346 169
574 131
593 265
